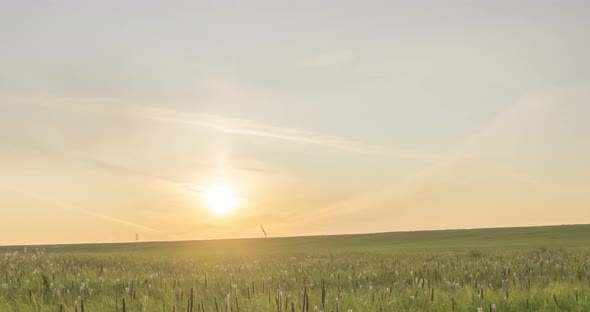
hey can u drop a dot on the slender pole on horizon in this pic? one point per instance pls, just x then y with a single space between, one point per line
263 231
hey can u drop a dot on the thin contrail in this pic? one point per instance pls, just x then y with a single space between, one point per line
247 127
242 127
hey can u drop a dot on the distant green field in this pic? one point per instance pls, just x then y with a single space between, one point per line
563 236
507 269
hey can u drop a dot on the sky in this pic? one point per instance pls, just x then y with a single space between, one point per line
323 117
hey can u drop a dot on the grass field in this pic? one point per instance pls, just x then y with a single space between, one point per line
509 269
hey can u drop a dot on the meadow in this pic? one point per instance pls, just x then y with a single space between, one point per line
508 269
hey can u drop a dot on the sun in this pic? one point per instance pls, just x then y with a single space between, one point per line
221 199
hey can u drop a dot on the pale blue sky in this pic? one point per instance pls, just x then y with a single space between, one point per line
316 110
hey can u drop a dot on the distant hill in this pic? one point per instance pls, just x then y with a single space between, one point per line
562 236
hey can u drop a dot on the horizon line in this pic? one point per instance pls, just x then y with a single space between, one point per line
287 237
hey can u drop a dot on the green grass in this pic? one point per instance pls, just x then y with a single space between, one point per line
562 236
516 269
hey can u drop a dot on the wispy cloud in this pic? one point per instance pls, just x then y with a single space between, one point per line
235 126
127 171
473 156
62 206
246 127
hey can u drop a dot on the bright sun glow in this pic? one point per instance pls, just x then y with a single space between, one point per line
221 199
